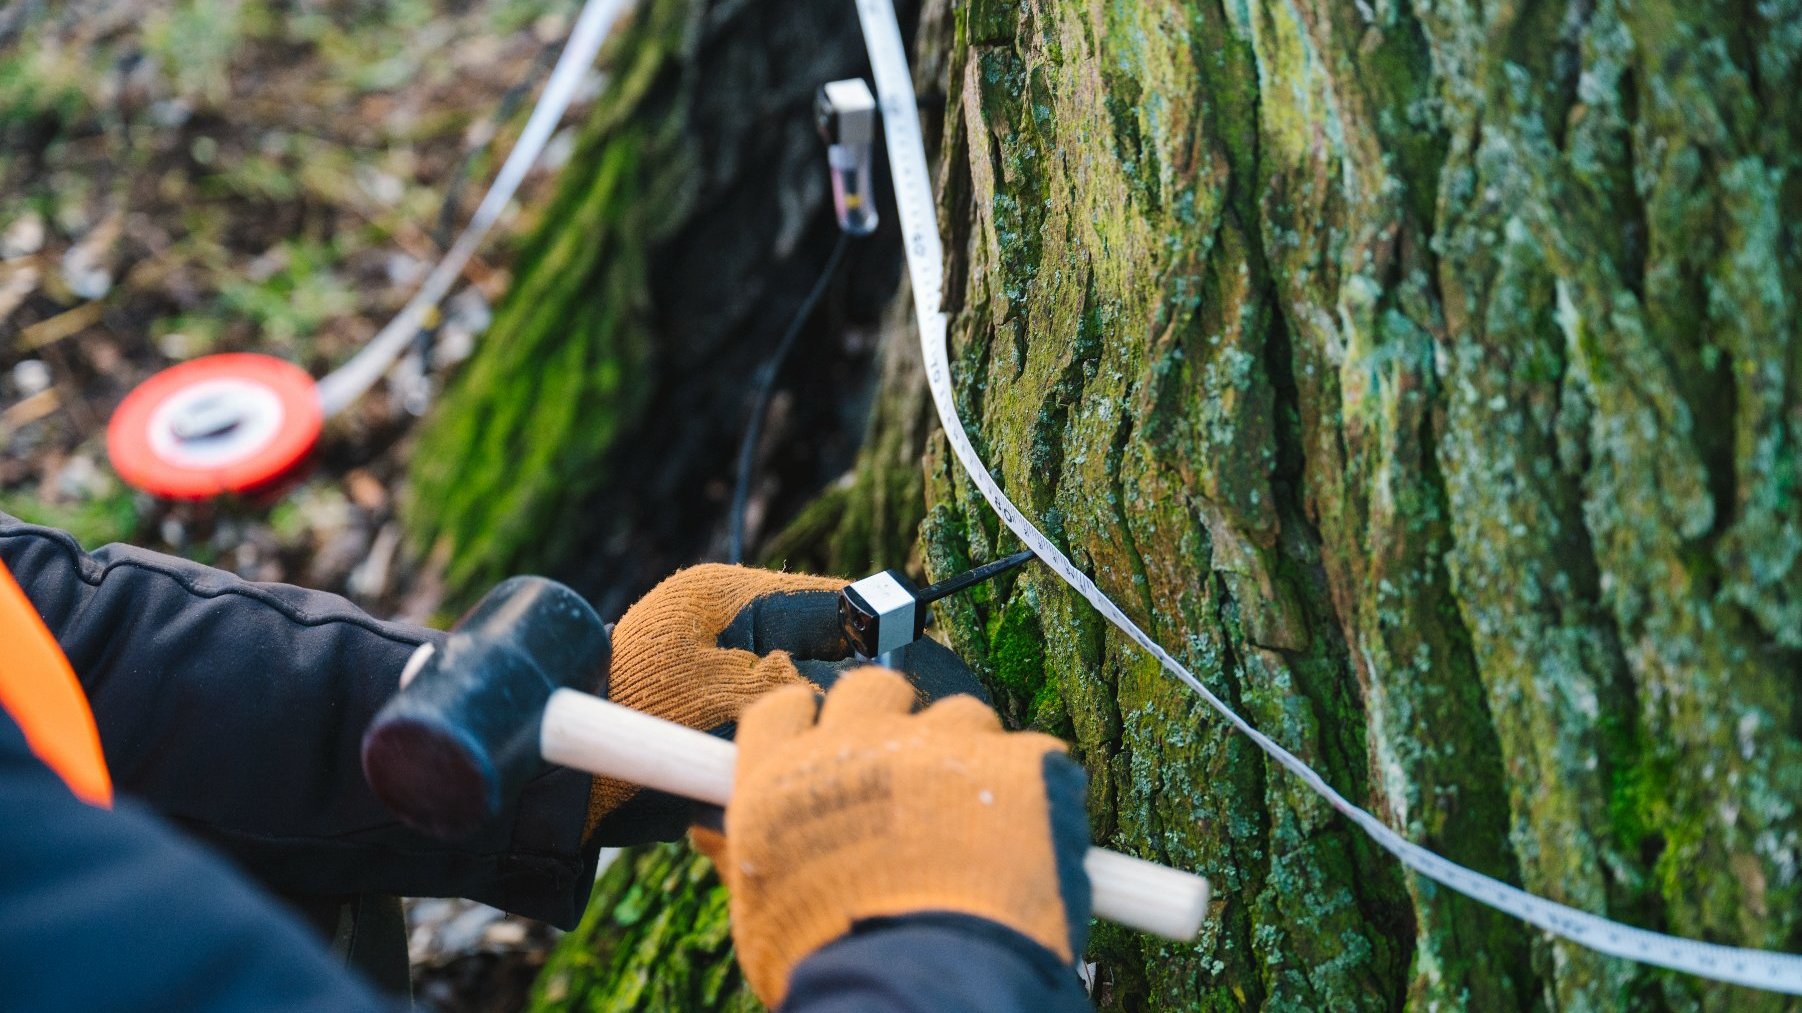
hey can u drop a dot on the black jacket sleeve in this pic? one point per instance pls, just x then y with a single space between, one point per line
110 911
933 963
237 710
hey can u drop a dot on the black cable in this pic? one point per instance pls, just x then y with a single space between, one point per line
766 388
970 578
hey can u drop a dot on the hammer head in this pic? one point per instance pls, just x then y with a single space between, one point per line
450 750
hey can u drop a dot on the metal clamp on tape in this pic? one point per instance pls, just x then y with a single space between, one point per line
846 114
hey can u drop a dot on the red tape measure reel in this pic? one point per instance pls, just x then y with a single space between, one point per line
238 423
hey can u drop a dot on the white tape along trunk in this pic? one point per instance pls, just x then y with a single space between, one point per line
1777 972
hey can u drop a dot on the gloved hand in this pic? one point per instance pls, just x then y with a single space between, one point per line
709 640
875 812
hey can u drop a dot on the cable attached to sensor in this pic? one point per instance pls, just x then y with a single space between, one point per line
845 113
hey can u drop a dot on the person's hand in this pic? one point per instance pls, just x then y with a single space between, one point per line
707 642
871 811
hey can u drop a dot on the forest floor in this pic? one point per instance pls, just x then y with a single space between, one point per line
192 176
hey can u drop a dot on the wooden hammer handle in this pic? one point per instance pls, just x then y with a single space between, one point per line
590 734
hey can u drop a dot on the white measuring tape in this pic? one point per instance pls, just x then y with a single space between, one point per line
340 388
1777 972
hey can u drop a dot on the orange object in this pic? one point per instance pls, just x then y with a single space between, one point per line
859 808
232 424
668 662
39 690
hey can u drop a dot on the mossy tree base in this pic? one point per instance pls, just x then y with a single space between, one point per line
655 937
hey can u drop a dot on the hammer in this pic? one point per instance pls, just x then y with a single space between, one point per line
478 716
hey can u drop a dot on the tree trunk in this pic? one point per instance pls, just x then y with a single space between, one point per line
594 433
1424 377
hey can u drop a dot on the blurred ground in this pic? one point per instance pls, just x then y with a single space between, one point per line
191 176
209 175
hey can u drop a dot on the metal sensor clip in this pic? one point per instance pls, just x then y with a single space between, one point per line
880 614
846 114
886 612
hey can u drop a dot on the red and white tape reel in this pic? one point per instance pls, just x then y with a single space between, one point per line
234 424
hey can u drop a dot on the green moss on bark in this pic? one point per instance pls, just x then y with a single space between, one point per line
655 937
504 467
1417 374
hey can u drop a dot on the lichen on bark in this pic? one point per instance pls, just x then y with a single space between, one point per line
1423 376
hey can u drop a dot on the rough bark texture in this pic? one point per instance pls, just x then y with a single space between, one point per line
1424 377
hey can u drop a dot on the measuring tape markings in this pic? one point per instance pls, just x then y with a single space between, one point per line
1777 972
341 388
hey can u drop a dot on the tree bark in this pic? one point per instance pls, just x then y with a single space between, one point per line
1425 378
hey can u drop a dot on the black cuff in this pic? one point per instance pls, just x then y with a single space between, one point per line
933 962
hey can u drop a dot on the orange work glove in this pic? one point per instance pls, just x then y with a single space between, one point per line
873 811
709 640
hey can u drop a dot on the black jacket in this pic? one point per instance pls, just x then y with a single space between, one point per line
233 712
